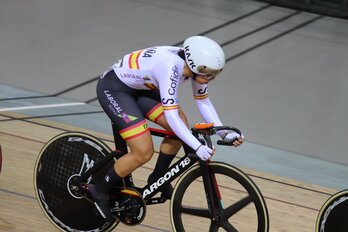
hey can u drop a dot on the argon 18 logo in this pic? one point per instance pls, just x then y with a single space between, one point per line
167 176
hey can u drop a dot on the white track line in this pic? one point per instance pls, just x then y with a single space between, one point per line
42 106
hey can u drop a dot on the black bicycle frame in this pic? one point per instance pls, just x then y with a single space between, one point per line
174 171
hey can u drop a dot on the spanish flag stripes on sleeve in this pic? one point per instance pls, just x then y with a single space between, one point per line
171 107
133 60
200 97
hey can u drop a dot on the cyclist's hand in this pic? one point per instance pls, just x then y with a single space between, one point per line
204 152
234 138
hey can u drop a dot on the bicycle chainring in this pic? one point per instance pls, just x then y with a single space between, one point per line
128 206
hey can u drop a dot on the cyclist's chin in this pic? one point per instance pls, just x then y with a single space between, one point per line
201 80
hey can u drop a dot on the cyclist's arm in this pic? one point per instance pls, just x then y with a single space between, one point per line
180 129
168 75
205 107
209 113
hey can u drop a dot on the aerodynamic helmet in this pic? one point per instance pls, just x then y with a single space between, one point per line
204 56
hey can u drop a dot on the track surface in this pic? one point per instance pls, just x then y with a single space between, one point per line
293 205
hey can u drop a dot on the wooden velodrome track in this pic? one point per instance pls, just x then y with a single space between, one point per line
293 206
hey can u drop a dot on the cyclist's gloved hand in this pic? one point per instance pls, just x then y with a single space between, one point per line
234 138
204 152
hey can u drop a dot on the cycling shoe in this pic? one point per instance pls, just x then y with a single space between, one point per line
101 201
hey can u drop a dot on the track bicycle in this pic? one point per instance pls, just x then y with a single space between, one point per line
208 195
333 215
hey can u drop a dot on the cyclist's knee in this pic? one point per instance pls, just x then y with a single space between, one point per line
142 148
142 152
170 146
183 116
162 121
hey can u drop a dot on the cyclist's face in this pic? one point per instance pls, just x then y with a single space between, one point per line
201 79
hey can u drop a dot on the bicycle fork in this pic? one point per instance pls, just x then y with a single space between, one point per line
212 191
210 184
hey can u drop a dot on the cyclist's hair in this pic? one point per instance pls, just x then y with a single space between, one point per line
181 54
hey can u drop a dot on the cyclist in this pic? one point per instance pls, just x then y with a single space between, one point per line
144 85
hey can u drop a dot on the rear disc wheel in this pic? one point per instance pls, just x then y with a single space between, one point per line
63 158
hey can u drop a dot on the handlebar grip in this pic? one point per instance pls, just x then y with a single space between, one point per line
236 130
219 128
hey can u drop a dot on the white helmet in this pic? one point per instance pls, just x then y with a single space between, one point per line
204 56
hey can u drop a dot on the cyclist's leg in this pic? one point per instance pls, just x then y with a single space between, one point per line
152 108
119 104
168 150
150 104
170 146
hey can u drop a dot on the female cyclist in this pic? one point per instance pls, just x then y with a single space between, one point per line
144 85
